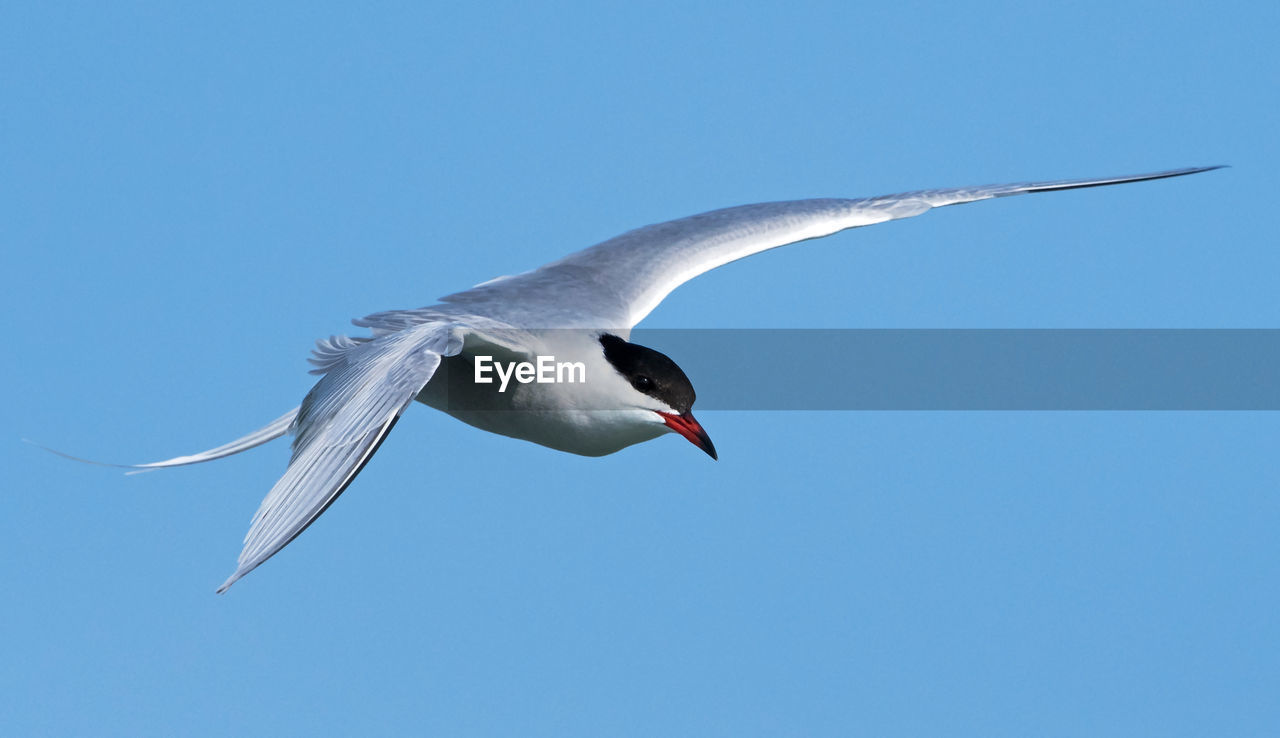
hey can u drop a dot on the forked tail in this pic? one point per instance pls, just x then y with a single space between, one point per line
273 430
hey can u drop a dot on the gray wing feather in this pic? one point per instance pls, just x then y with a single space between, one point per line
615 284
338 428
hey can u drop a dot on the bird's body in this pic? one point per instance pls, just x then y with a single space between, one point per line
575 417
578 310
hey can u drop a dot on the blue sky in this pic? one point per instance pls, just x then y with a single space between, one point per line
190 196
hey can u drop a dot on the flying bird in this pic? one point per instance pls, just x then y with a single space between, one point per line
580 310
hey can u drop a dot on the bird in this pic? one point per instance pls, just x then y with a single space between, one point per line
578 310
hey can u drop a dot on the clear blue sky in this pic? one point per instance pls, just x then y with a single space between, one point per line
189 197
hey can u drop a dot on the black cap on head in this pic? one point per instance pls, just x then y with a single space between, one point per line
649 372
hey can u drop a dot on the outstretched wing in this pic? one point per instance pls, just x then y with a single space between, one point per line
617 283
366 386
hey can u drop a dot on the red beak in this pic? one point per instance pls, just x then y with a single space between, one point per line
688 426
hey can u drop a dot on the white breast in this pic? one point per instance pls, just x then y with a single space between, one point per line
588 410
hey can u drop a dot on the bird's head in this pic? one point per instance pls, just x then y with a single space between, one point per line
657 384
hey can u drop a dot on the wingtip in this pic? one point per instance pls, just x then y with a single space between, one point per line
1185 171
230 581
1191 170
1078 184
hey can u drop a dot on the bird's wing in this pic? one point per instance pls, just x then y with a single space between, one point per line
367 384
615 284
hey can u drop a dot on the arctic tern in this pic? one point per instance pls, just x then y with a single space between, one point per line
580 309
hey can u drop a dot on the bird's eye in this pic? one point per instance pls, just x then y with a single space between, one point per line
643 384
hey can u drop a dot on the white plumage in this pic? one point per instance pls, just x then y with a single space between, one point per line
367 383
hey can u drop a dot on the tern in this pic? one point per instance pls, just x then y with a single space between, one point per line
581 309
